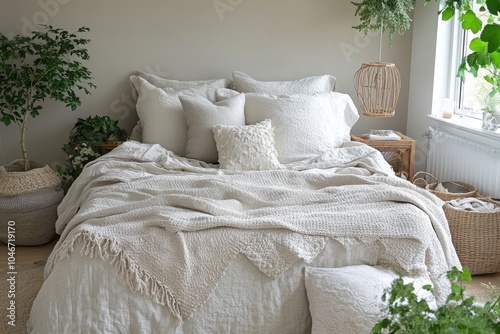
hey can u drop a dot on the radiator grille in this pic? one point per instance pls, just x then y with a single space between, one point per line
454 158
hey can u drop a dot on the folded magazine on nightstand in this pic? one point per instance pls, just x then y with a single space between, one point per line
382 135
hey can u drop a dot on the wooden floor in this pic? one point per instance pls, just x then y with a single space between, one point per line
26 254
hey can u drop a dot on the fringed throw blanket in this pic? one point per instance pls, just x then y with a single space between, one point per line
171 226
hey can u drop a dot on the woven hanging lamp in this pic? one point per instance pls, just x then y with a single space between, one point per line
377 86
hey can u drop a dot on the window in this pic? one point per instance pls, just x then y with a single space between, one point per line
473 94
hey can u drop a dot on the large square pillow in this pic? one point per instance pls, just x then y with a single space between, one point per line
202 115
246 147
305 125
348 300
310 85
161 114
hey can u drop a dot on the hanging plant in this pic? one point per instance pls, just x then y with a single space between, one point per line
388 16
391 16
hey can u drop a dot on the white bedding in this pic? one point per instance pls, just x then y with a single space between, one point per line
84 293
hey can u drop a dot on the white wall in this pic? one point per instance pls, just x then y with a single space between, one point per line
190 39
423 59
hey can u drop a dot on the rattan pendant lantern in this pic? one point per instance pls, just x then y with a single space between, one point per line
377 86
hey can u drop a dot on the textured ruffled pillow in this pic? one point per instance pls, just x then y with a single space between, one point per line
247 147
202 115
305 125
316 84
348 300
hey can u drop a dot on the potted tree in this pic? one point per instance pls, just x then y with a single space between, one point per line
33 68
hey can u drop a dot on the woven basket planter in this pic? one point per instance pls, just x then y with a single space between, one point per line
476 237
28 203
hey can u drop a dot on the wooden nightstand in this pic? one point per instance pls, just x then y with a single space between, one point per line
400 154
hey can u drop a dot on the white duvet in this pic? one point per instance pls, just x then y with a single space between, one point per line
101 278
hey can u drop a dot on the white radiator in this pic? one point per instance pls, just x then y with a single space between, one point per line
452 158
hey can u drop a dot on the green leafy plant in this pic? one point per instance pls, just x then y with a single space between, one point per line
491 104
484 58
87 142
409 314
389 16
44 65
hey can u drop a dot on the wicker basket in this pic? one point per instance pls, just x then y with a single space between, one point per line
28 203
456 189
476 237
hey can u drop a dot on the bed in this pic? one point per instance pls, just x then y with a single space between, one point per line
216 225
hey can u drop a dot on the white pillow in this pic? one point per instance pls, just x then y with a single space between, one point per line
202 115
310 85
136 132
178 85
247 147
305 125
349 299
161 115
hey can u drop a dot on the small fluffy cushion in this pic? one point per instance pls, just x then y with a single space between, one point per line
349 299
161 115
178 85
305 125
310 85
202 115
247 147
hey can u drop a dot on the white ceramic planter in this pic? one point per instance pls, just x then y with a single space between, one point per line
491 122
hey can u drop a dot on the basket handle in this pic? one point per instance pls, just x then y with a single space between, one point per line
488 199
418 176
3 172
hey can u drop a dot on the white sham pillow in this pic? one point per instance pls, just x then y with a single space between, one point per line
202 115
179 85
136 132
161 114
246 147
315 84
348 300
305 125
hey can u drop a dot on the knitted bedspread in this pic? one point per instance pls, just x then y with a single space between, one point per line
171 226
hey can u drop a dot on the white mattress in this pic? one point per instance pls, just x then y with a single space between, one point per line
85 295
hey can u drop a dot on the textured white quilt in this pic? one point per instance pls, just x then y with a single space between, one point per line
171 227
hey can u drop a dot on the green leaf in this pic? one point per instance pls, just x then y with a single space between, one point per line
478 45
495 58
493 6
491 35
448 13
471 22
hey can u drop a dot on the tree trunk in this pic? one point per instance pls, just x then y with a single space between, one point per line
22 129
